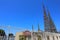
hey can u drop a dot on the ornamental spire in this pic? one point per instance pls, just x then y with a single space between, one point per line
46 21
32 28
38 28
51 23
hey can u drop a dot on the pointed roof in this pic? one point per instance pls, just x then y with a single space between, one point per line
44 10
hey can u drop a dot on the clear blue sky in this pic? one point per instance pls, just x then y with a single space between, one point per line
24 13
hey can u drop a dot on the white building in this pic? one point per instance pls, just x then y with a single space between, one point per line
37 36
11 37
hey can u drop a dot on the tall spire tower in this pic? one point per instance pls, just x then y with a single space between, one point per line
51 24
38 28
46 22
32 28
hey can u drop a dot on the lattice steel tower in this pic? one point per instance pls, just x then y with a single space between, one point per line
49 26
51 23
46 21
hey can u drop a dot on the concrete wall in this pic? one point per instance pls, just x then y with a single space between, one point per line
17 35
43 36
51 35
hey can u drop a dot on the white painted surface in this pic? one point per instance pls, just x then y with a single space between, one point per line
42 34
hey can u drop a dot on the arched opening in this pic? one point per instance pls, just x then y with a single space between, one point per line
53 38
48 38
39 38
21 37
57 37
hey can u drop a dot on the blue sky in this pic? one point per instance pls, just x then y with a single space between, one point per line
23 13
